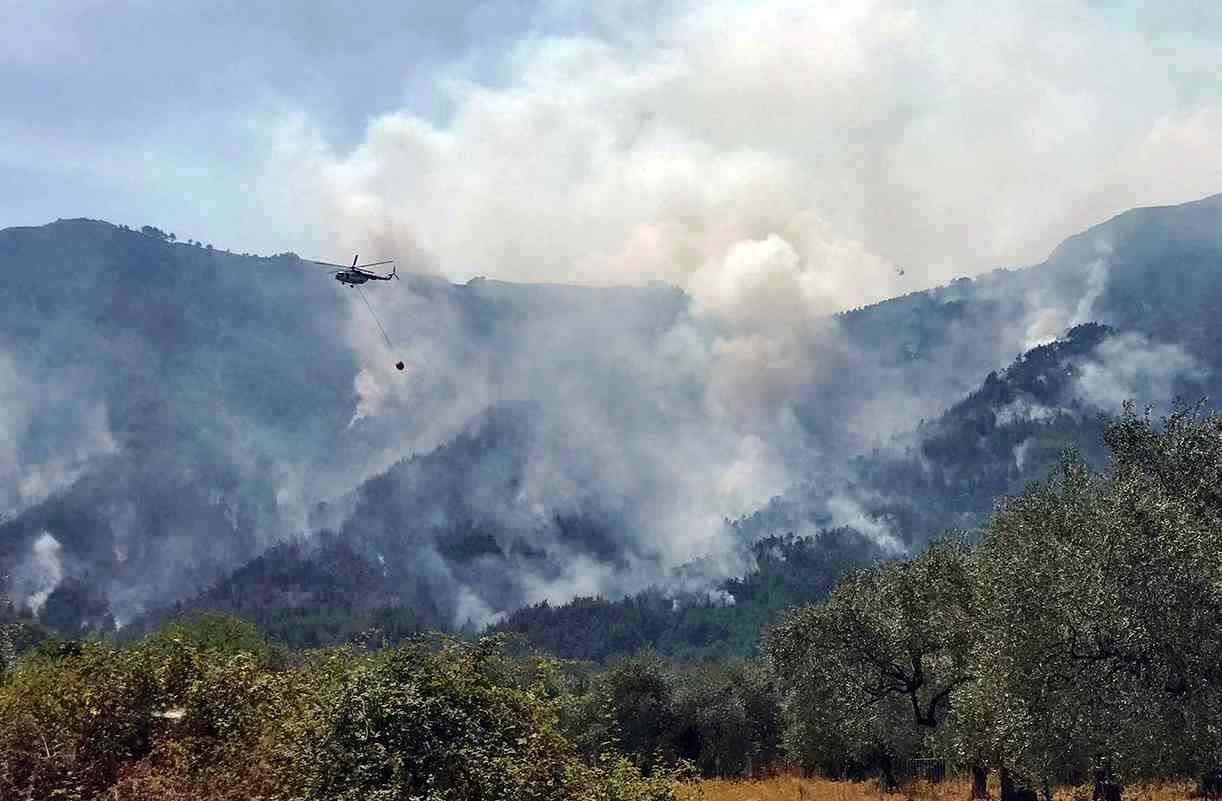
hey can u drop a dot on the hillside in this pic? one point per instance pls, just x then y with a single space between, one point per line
947 475
176 411
720 623
1136 296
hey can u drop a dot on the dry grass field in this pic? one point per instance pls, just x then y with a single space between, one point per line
792 788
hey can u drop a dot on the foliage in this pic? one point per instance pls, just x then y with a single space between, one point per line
1101 607
413 723
1080 641
205 709
869 673
728 719
618 778
721 719
69 723
788 570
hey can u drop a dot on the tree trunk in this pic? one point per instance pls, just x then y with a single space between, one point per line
889 781
1013 791
1106 786
1211 784
980 781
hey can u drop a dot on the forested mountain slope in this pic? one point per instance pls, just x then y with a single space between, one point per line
174 411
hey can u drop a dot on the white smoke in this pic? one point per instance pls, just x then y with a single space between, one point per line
48 436
778 162
650 150
470 609
1131 367
1096 282
582 577
846 511
38 574
1022 409
370 394
1020 454
1051 317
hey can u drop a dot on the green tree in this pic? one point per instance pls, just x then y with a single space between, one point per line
726 719
1100 613
637 694
419 724
870 674
71 717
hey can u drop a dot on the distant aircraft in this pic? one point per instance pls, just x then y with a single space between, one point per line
357 274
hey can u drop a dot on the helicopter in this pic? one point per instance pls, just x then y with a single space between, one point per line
357 274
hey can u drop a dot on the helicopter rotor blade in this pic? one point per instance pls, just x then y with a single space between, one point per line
346 267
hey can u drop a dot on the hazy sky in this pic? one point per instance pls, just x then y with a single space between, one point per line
774 149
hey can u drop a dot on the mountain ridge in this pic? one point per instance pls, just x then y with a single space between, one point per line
267 398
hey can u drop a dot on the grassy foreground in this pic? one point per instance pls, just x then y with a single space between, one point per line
792 788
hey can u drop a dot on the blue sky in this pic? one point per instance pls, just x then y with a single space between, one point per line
735 148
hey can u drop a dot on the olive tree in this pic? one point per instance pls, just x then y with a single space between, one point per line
727 719
870 673
1098 645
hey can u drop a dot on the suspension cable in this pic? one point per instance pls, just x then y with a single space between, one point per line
374 315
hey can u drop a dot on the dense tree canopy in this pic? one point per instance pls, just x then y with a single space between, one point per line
207 710
870 671
1081 640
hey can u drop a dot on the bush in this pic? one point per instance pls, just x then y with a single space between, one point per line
68 724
